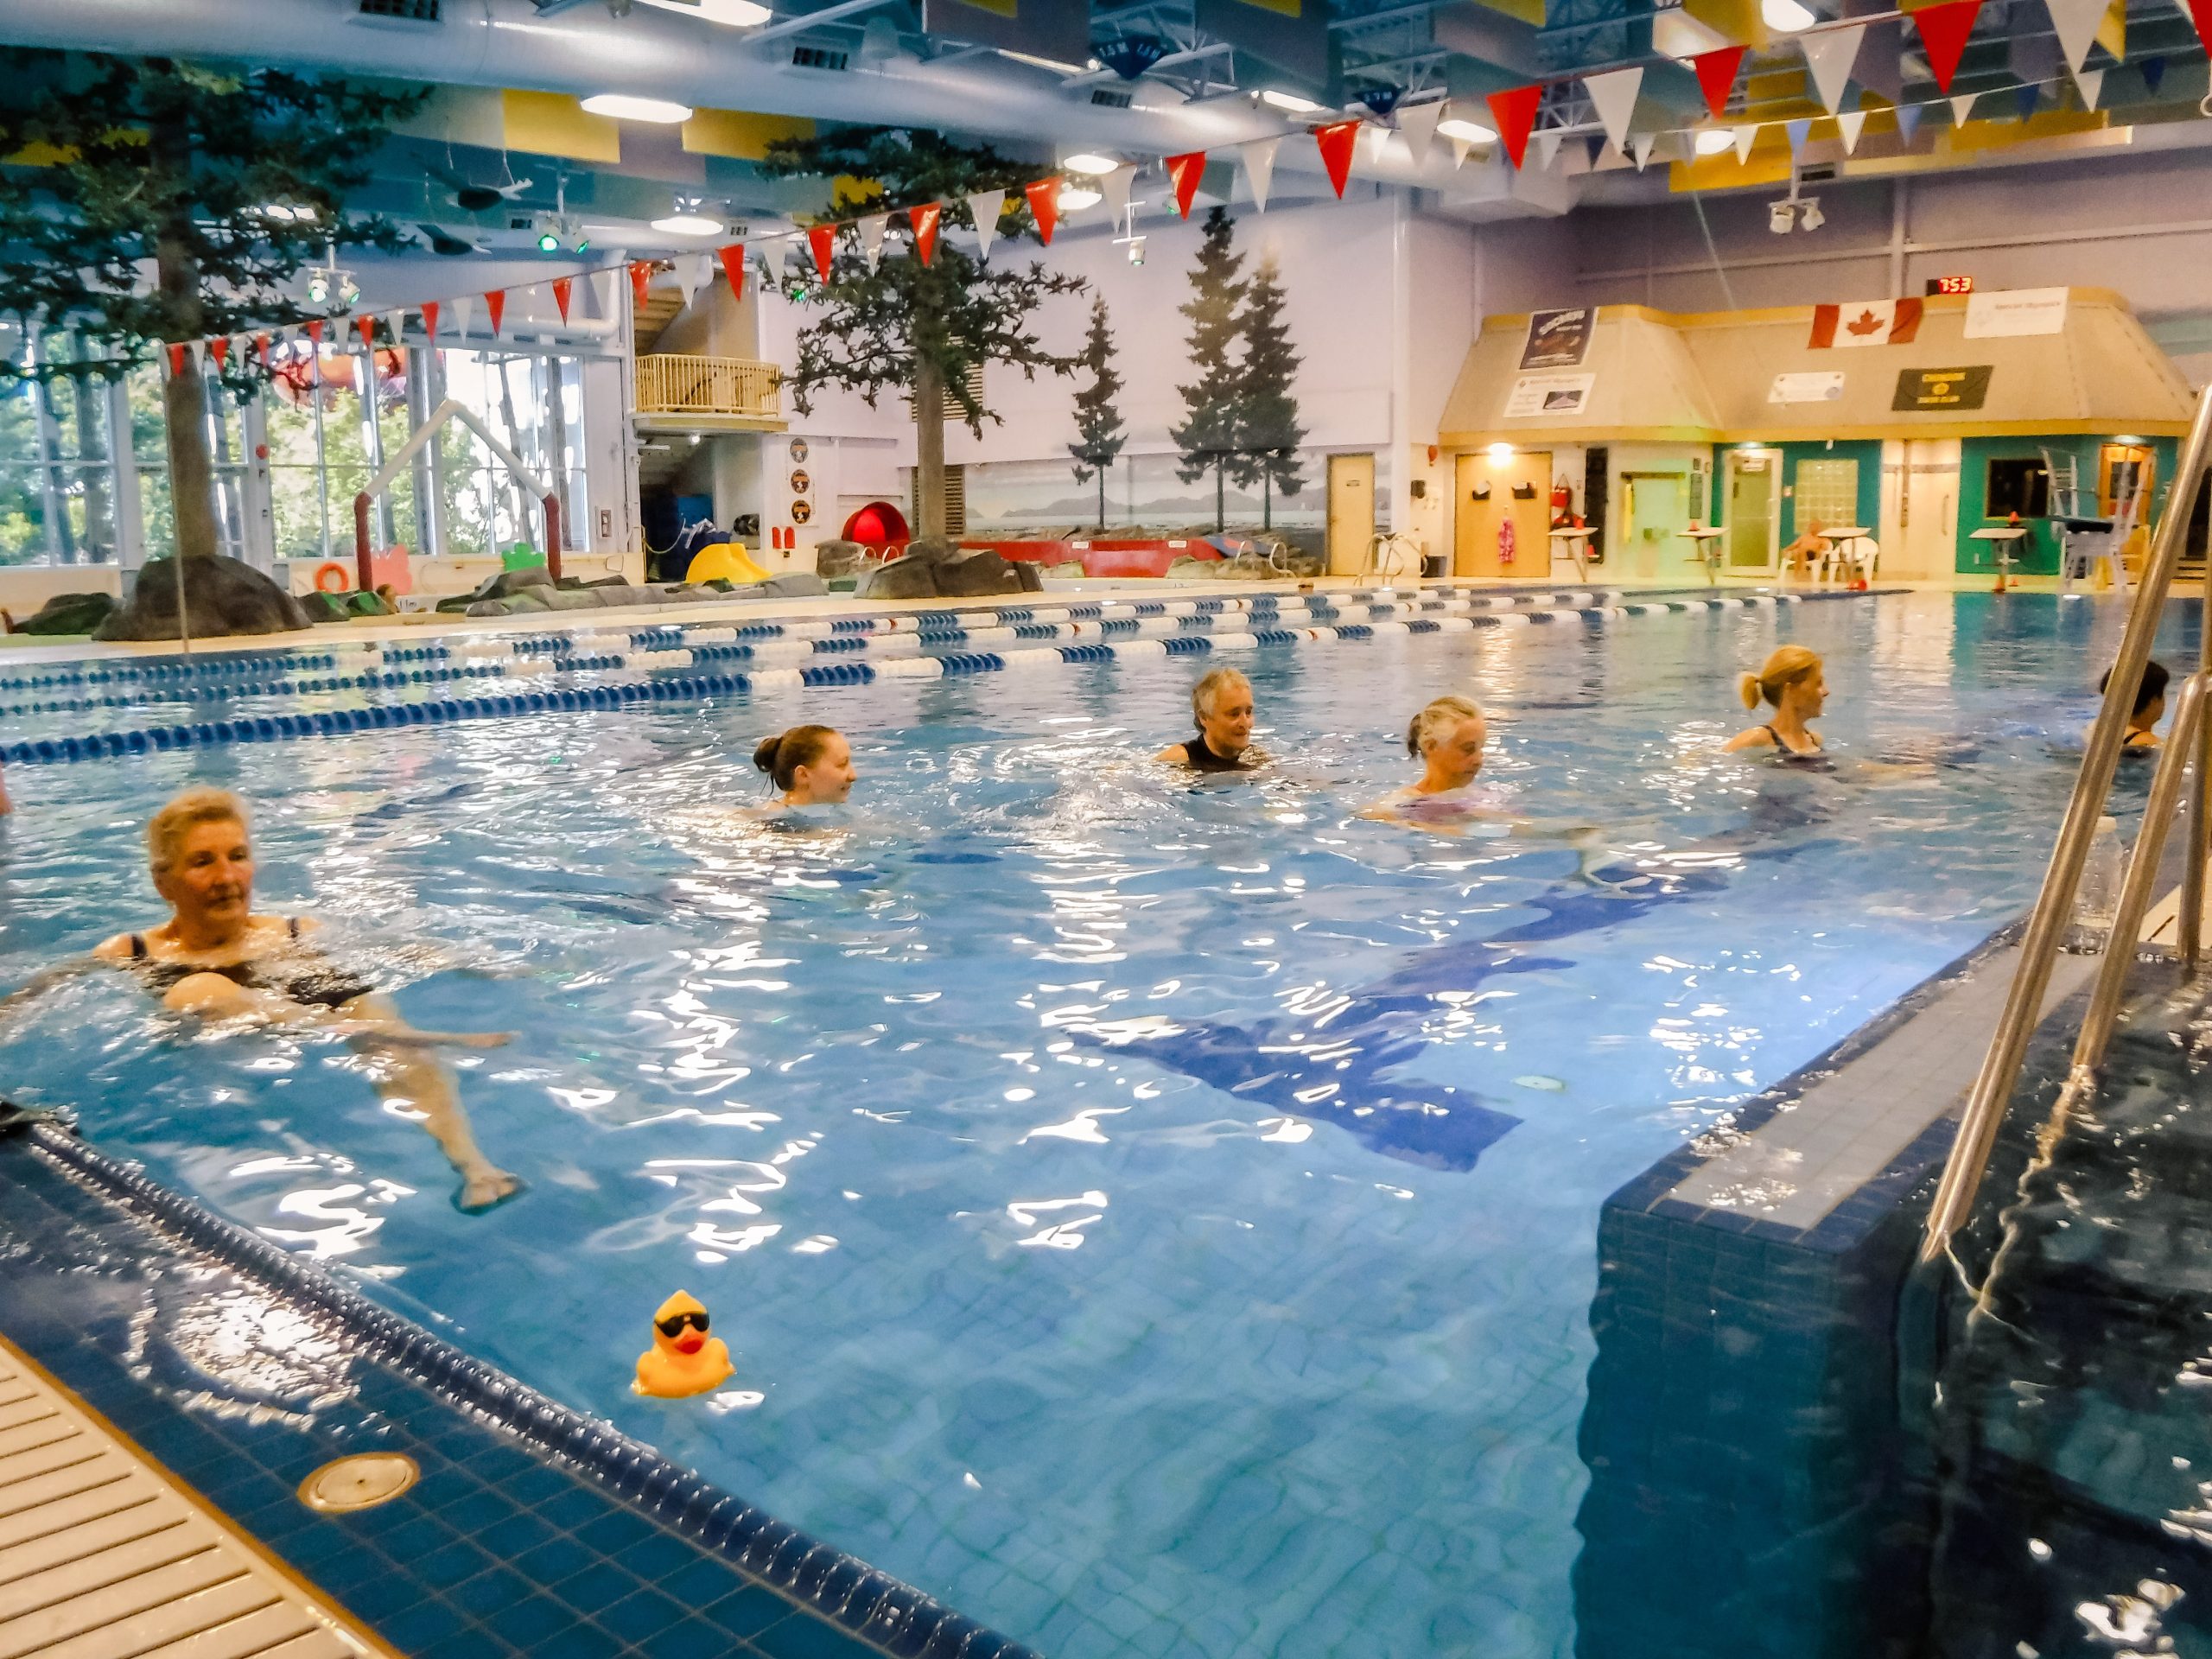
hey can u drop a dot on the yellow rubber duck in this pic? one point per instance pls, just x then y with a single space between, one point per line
684 1359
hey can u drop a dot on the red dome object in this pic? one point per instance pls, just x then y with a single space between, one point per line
877 524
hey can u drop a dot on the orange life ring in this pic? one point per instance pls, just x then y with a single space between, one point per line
331 568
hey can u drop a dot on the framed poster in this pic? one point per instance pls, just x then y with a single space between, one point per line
1813 386
2007 313
1558 340
1535 396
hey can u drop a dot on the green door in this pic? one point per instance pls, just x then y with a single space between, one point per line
1657 514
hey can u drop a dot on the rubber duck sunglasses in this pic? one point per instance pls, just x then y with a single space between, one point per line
673 1325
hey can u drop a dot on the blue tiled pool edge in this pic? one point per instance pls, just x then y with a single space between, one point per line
877 1612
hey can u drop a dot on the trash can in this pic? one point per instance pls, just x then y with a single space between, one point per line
1432 566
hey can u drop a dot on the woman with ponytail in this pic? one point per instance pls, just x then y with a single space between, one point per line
1792 682
811 765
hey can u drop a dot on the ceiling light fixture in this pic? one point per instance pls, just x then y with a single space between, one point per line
1097 166
1715 141
1473 132
1782 217
1074 197
1786 16
1809 216
728 14
622 106
1289 102
689 224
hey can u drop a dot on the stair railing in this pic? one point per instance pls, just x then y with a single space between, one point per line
2189 749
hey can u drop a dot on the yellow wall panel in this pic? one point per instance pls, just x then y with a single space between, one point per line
553 123
1736 21
740 134
1528 11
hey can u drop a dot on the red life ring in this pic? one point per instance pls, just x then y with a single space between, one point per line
344 580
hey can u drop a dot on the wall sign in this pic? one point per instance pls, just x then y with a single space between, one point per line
2009 312
1814 386
802 481
798 451
1941 389
801 512
1535 396
1558 339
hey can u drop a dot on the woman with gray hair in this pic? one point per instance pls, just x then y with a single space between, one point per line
1220 708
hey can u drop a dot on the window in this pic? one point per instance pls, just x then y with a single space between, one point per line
57 474
2021 487
1827 494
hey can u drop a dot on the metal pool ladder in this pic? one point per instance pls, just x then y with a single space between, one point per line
2188 750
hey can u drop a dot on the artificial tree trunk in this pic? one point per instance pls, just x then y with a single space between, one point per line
184 412
928 447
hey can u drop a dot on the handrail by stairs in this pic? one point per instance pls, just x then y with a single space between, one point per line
2189 746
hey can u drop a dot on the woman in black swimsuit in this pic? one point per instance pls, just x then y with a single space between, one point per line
1221 707
1791 681
215 958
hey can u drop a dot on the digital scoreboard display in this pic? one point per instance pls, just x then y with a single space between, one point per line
1950 284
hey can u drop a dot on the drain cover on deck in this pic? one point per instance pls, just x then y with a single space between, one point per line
358 1483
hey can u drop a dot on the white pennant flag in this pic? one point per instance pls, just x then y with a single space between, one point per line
200 355
1259 169
1115 188
1745 137
872 229
1547 147
1851 124
1459 149
2075 22
397 321
602 292
986 206
1614 94
689 277
1829 55
464 313
1419 124
2092 82
1641 148
1960 105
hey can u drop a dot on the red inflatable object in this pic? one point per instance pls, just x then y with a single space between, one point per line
877 524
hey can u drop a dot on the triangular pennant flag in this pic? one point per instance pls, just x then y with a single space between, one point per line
1799 131
1960 105
395 324
1115 188
1614 94
1515 112
1745 137
923 221
872 230
1829 55
1183 173
261 342
1547 147
1338 141
733 258
1716 76
1908 121
1044 198
2076 23
2091 83
986 206
1850 124
2025 96
219 349
564 288
430 319
368 330
314 329
464 316
495 306
2154 72
2200 14
602 290
1260 169
691 275
1459 149
1640 148
1943 31
1418 121
641 277
176 361
198 350
823 240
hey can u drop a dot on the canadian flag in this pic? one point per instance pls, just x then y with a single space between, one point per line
1867 322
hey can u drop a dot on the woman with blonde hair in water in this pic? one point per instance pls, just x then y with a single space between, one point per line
1447 737
1790 681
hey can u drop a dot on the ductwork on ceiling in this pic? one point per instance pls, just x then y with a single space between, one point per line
584 50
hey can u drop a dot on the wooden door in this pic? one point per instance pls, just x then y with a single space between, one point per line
1491 491
1351 512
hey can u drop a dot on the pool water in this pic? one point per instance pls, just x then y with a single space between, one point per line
1154 1219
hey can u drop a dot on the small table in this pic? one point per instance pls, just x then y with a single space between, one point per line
1703 550
1843 547
1576 538
2007 539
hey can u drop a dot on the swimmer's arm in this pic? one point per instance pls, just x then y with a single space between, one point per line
212 996
1175 754
61 974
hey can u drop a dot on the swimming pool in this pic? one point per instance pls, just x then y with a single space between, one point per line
1057 1146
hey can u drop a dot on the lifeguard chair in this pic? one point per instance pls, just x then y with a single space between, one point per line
2087 534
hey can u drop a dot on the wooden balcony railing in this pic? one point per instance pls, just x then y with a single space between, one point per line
671 384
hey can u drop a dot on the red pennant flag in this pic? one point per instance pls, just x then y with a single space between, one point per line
261 348
641 276
429 310
733 258
314 329
1943 31
2200 13
176 361
563 288
1516 114
368 327
822 238
923 222
1716 76
495 306
1043 207
1185 172
219 349
1336 141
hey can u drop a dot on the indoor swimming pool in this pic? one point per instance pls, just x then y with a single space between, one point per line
1155 1217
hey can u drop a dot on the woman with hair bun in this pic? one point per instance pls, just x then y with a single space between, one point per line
1792 682
1447 737
811 765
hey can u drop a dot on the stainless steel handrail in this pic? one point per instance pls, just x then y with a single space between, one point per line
2053 909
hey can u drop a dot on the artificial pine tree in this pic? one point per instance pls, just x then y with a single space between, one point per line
224 181
1208 436
1268 431
911 327
1098 422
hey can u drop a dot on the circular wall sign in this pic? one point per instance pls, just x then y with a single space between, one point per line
798 451
801 481
801 512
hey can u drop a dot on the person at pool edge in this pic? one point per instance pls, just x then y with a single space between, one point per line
812 766
1220 708
2150 708
214 957
1792 682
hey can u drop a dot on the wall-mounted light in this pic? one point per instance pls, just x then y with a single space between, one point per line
1809 216
622 106
1499 454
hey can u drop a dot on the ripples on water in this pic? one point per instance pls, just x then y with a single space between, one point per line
1054 1142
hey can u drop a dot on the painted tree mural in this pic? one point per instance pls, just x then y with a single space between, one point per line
1207 436
1268 429
1099 436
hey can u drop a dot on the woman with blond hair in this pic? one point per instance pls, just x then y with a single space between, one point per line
1792 682
1447 737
